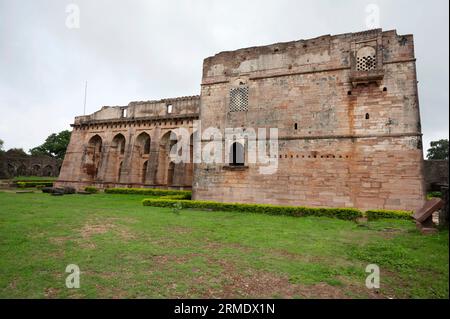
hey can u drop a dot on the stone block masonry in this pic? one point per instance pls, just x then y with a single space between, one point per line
345 106
347 112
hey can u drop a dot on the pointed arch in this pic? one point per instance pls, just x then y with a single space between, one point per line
93 156
143 142
118 143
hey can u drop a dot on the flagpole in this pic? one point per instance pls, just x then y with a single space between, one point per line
85 95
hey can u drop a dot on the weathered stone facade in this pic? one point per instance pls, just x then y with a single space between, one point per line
13 165
345 106
129 146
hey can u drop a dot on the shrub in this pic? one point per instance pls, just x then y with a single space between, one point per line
391 214
186 196
341 213
147 191
40 186
34 184
91 189
431 195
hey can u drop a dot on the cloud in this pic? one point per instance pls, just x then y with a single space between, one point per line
140 50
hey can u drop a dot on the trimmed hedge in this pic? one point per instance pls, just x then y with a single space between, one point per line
340 213
186 196
391 214
34 184
147 191
91 189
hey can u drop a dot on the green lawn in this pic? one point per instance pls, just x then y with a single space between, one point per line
125 250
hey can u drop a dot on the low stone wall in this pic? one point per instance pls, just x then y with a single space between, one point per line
12 165
80 186
435 174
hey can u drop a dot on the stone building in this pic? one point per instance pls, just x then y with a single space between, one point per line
129 146
345 106
13 164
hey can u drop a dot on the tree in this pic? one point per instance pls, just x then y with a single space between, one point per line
1 145
438 150
55 145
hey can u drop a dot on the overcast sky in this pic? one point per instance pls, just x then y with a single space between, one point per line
131 50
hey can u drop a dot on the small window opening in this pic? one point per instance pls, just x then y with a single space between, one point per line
124 112
295 126
367 116
385 89
349 93
237 154
169 109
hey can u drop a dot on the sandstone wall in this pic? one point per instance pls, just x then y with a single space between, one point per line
348 137
95 157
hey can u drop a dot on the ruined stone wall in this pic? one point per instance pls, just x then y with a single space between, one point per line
348 122
23 165
129 146
435 173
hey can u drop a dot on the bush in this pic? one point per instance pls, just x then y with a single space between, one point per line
91 189
431 195
40 186
34 184
341 213
391 214
147 191
186 196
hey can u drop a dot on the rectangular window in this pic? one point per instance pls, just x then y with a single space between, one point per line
239 99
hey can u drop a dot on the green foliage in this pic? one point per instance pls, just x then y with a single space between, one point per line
133 251
186 196
341 213
438 150
91 189
176 208
431 195
390 214
1 145
55 145
41 184
148 191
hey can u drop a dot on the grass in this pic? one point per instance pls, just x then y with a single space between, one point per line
126 250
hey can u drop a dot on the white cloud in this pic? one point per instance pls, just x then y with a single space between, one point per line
139 50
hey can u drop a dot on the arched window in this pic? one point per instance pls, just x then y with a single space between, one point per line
237 157
93 156
48 170
144 143
119 143
366 59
